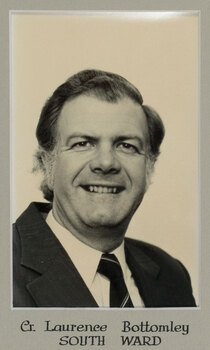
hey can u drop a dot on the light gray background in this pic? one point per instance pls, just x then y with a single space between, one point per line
11 319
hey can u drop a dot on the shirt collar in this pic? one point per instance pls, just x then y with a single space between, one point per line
85 258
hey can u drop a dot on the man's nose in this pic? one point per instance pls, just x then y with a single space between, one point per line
105 162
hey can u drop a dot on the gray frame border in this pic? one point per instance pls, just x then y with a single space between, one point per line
198 318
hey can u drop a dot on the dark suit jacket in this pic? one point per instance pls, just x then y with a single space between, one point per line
44 275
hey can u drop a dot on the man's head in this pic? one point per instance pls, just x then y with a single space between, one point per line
97 146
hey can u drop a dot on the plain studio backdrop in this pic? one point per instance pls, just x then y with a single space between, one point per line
158 53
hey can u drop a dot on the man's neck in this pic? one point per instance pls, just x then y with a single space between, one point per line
104 239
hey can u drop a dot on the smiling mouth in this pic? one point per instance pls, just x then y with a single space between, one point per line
103 189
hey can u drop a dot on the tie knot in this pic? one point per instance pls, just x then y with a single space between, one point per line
109 266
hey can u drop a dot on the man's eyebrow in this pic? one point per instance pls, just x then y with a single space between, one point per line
79 135
94 138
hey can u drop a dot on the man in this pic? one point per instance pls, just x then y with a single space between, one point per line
97 147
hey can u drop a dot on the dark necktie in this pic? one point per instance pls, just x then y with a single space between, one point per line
109 266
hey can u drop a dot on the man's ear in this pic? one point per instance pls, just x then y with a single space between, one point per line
47 166
150 167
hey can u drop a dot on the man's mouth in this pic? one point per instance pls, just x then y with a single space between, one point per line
103 189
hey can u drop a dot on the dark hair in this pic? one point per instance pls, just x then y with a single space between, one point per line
103 85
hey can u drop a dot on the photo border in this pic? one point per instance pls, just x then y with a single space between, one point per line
198 318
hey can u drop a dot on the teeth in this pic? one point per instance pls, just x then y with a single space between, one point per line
102 189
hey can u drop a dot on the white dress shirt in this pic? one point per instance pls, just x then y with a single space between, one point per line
86 260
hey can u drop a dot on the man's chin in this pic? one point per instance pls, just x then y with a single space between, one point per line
104 221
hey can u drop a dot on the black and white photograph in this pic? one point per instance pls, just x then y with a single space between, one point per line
132 99
104 195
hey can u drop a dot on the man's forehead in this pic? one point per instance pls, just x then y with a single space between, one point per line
84 111
92 117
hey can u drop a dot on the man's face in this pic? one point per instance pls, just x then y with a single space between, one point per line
100 170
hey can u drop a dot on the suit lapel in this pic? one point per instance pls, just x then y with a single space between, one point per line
66 287
157 289
144 272
43 253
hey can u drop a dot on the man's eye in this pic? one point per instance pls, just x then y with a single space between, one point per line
82 145
127 148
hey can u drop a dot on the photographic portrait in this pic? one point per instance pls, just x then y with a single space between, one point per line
105 134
